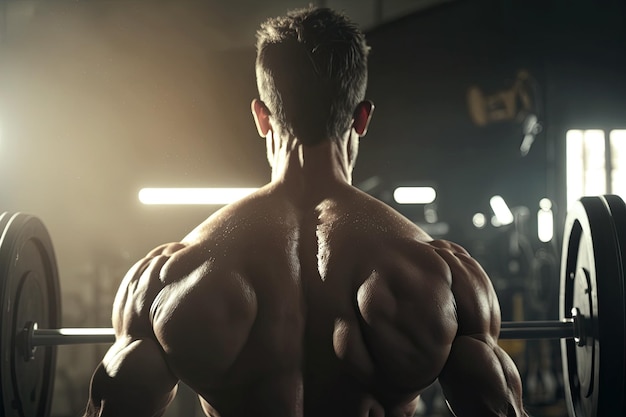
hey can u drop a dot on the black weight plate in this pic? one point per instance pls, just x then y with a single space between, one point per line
617 207
591 281
29 291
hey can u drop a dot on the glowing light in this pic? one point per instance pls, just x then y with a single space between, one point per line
414 195
618 162
184 196
86 331
502 212
545 221
430 215
479 220
574 162
545 204
586 165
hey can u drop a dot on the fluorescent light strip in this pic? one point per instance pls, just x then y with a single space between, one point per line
189 196
86 331
414 195
501 210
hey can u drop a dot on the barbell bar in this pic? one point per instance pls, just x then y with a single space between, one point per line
591 325
32 336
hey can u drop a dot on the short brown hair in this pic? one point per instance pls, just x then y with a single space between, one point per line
311 71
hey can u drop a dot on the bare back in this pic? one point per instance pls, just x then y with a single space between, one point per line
269 308
346 314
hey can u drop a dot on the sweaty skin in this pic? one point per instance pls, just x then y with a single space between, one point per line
307 298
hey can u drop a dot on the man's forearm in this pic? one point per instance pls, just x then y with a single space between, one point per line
480 379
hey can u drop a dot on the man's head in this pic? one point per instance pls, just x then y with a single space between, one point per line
311 71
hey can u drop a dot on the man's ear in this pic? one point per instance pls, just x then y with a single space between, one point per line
362 117
261 115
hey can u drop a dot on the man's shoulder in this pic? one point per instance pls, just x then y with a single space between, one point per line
139 287
464 269
450 246
252 210
356 205
477 303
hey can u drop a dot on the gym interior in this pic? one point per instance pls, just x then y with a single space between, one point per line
493 117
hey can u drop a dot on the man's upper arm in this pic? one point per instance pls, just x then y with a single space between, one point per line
134 379
479 378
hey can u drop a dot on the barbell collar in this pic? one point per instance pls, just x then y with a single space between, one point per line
581 327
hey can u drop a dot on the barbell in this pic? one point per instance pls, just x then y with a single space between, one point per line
592 310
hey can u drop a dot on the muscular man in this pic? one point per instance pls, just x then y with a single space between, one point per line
309 297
